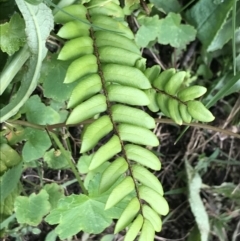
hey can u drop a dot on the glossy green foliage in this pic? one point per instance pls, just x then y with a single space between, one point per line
112 89
177 101
113 86
8 157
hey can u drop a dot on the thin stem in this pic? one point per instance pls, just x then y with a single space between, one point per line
158 61
60 146
189 3
13 67
166 121
204 126
46 127
234 10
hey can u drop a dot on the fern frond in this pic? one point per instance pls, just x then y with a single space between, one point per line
113 84
106 65
176 100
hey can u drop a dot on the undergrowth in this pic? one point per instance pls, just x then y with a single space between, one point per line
80 98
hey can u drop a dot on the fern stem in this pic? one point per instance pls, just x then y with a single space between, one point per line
60 146
165 121
108 102
199 125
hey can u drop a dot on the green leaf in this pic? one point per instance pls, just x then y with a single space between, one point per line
12 34
148 30
152 73
39 23
94 132
142 156
112 173
153 217
154 199
8 156
172 32
130 6
194 234
134 228
38 113
120 191
105 152
60 107
88 109
52 75
55 159
30 210
128 215
168 30
198 111
196 203
129 115
9 181
167 6
208 18
84 163
79 210
146 178
34 2
37 143
90 182
108 237
37 33
126 75
51 236
86 88
55 193
13 66
137 135
224 34
127 95
225 85
28 84
84 213
147 232
15 134
7 206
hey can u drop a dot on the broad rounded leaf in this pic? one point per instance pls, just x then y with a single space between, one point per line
37 206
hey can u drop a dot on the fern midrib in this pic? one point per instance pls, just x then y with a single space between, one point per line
109 105
171 96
